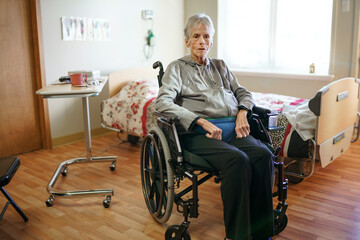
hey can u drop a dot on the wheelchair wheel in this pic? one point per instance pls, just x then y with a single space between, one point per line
170 233
157 177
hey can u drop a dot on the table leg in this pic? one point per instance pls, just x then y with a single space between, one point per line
87 128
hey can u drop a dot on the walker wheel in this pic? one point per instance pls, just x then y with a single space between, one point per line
112 166
173 232
107 201
50 201
64 171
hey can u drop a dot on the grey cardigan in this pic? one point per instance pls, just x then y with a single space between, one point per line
191 90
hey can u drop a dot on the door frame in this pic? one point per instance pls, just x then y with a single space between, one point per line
355 59
40 78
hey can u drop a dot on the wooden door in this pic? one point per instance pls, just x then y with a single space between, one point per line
19 113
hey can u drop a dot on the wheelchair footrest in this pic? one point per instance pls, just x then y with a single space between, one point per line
190 208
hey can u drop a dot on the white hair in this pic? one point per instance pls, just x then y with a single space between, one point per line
196 19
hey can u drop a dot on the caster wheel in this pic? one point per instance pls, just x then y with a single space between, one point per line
50 201
64 171
280 224
112 166
133 139
294 167
172 231
107 201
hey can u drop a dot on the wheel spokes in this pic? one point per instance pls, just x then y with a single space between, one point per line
153 176
151 153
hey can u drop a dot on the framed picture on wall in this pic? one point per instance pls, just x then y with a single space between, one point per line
98 29
78 28
73 28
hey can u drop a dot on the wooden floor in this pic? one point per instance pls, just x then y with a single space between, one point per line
324 206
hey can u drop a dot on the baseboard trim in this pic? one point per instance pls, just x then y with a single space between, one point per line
76 137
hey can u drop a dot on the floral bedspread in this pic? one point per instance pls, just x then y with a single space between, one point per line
276 102
131 110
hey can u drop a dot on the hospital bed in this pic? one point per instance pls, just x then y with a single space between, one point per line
130 107
335 107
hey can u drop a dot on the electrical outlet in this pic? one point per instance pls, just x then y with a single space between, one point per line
345 5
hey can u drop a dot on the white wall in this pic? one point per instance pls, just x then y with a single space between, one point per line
125 49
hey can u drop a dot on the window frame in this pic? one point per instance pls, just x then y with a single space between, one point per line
281 73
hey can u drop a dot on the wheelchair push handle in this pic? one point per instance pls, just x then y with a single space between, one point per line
158 64
161 71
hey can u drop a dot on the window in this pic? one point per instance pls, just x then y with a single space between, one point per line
284 36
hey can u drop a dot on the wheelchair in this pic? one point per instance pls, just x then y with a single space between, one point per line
164 165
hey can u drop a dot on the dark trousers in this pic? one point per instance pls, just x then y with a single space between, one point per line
246 169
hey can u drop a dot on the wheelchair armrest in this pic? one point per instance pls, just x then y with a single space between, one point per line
169 118
261 112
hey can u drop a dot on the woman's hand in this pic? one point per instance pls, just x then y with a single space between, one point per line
212 130
242 127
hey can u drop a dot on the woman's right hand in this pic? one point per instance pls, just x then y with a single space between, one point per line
212 130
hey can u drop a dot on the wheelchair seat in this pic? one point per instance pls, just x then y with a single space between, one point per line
198 162
164 164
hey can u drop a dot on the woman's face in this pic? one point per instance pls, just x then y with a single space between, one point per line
199 42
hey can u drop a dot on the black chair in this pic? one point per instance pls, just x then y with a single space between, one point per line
8 167
164 164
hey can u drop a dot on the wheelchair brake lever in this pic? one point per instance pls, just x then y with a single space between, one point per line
277 151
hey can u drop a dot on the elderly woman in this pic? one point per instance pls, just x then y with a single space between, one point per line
196 88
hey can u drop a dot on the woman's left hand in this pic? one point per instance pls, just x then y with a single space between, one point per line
242 127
